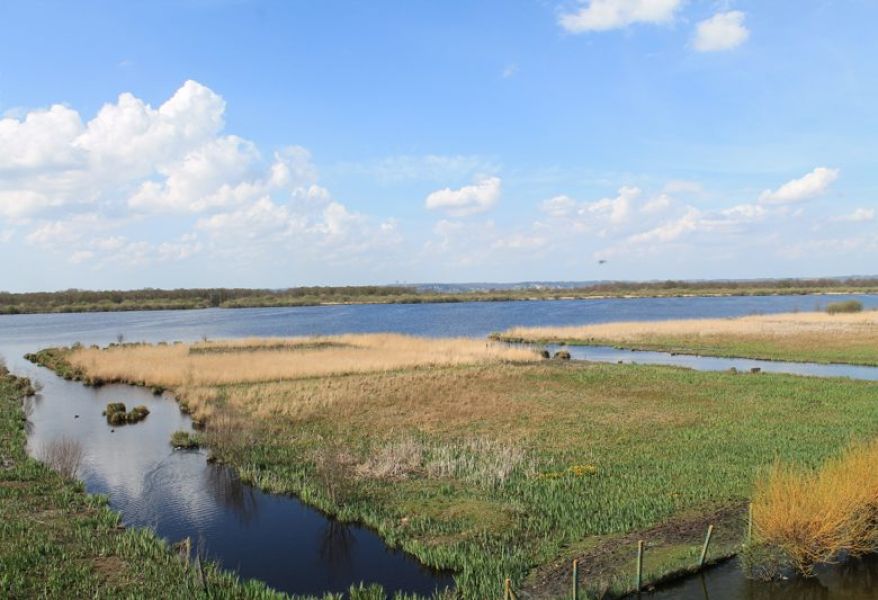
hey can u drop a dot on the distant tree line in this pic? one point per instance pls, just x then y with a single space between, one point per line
75 300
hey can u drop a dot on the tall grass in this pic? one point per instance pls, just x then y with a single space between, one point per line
818 516
848 306
275 360
810 337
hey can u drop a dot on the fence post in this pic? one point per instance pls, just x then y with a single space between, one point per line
639 565
706 545
750 524
575 580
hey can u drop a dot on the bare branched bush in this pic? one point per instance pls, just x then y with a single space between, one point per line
228 436
395 460
27 407
331 464
63 455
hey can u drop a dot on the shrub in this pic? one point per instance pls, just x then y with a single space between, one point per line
63 455
847 306
812 517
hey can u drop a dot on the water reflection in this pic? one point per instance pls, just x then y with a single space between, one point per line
713 363
292 547
856 579
337 544
227 489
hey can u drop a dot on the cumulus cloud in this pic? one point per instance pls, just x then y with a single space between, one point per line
810 186
603 212
88 189
603 15
722 31
658 204
468 200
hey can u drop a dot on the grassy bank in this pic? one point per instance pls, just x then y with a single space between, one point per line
180 299
495 469
850 338
56 541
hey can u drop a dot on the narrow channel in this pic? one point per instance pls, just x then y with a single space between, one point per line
608 354
277 539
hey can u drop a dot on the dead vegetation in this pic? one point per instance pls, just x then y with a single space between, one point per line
63 455
263 360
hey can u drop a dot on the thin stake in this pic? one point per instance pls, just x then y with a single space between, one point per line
706 545
750 524
575 580
639 565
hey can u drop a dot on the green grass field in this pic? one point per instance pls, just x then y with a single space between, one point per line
514 470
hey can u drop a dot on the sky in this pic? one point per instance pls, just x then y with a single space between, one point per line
257 143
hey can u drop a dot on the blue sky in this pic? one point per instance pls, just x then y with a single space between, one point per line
258 143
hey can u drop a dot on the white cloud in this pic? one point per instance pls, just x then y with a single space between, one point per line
811 185
603 15
860 215
670 231
658 204
603 212
509 71
722 31
468 200
86 189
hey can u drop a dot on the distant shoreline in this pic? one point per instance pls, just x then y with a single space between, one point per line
80 301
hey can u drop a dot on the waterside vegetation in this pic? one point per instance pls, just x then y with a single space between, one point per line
495 467
821 337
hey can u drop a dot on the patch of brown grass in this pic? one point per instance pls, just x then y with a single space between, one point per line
818 516
762 325
255 360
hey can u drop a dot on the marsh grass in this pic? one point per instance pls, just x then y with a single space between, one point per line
116 414
847 306
250 361
813 516
806 337
498 469
184 440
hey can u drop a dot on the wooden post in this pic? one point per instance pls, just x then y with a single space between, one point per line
750 524
639 565
575 580
706 545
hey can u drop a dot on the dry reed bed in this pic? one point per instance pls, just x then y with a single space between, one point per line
820 516
263 360
785 324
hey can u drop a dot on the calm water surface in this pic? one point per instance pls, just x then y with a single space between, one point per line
278 539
